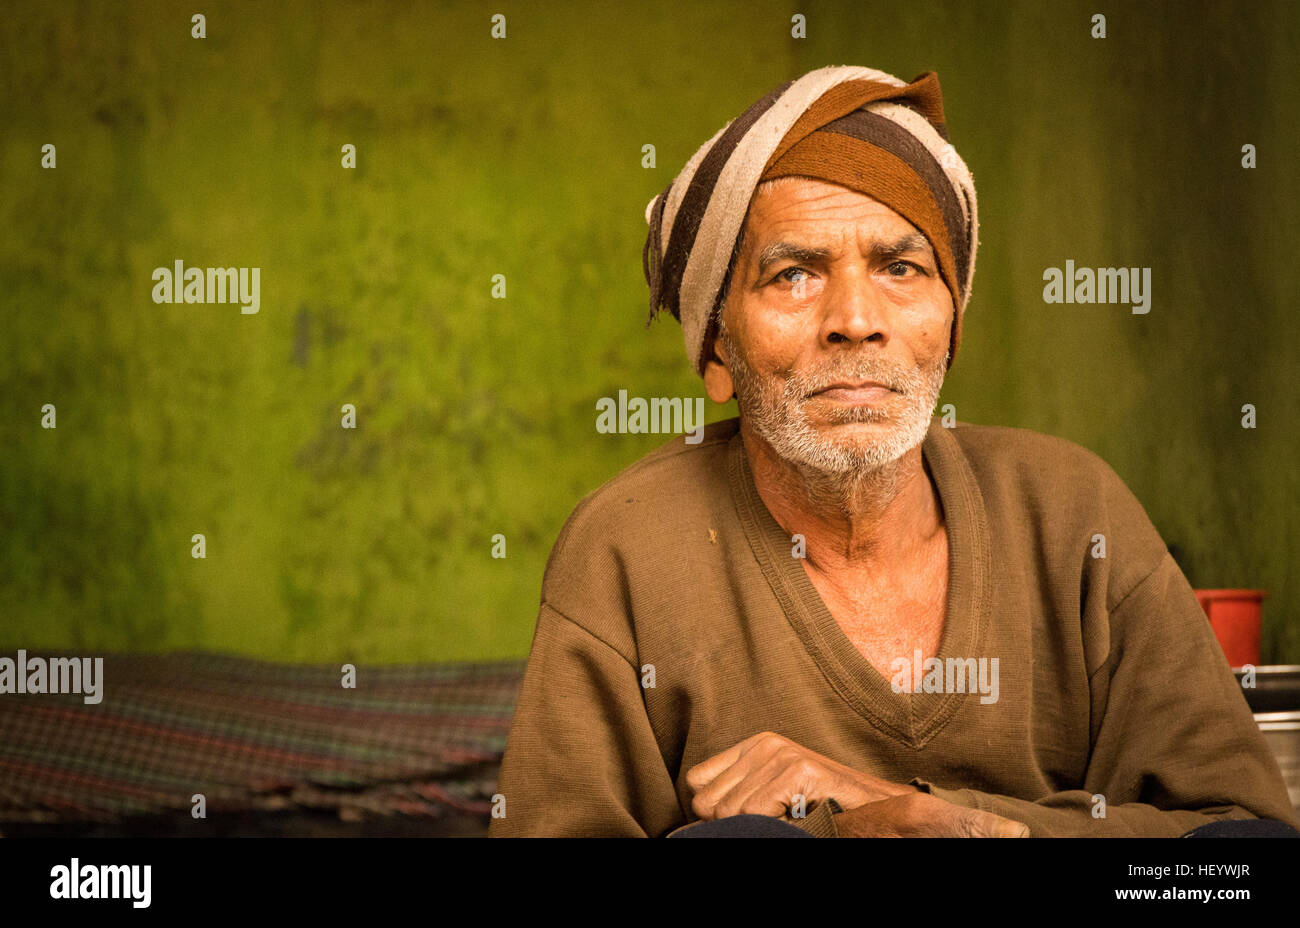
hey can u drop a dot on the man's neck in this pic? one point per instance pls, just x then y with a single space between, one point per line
877 516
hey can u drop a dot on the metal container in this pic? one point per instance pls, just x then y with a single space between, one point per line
1275 700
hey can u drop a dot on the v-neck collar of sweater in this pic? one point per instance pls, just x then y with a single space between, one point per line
910 718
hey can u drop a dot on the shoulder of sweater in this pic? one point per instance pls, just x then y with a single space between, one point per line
652 499
672 470
1005 448
1066 489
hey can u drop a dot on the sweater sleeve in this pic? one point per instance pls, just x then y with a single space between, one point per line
1174 743
581 759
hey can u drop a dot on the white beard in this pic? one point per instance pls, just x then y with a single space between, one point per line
778 415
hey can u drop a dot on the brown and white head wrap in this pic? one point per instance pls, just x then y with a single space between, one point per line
861 128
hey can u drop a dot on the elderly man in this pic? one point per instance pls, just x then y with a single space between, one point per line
834 615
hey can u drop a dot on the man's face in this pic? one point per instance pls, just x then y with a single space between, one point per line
832 291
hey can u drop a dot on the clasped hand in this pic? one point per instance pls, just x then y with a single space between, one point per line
766 773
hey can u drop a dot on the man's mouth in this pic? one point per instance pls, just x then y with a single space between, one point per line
856 392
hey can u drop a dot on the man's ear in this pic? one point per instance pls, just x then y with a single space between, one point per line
717 379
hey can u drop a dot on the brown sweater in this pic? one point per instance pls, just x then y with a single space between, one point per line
1110 681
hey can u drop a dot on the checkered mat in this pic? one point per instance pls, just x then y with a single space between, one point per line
420 740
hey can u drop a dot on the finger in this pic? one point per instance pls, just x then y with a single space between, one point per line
979 824
1009 828
708 797
704 772
768 789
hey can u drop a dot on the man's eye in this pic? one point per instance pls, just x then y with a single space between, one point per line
796 270
905 265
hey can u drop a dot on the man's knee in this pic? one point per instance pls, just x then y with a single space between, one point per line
1245 828
742 826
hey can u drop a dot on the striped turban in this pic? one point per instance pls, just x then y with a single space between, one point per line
863 129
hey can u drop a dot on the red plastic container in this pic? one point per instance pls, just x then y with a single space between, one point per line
1236 617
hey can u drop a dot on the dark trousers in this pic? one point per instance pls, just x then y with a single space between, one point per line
764 826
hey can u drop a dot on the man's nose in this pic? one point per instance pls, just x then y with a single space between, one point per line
854 311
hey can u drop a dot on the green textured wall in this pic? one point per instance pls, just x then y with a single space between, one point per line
522 157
